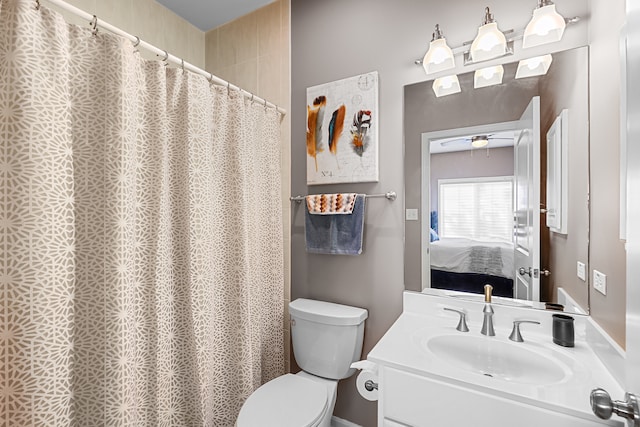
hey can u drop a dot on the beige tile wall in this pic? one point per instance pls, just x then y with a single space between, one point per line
148 20
252 52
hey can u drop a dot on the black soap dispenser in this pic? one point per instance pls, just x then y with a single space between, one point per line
563 330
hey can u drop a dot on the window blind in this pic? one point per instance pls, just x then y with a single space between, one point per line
476 208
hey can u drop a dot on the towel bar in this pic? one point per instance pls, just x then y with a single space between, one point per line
390 195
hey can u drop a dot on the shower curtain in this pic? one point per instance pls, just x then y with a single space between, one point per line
141 245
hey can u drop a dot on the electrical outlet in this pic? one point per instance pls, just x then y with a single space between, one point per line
411 215
582 271
600 282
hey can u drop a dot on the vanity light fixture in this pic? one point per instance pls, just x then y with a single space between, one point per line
536 66
546 25
479 141
490 42
446 85
488 76
439 57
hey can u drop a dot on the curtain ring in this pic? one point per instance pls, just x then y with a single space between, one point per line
251 101
166 56
94 25
265 105
210 77
182 61
228 88
137 41
37 4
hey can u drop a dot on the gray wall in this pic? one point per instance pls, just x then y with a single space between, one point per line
564 88
607 251
334 39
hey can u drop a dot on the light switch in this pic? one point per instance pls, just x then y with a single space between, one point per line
600 282
411 215
582 271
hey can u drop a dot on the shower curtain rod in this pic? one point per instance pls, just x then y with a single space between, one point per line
95 22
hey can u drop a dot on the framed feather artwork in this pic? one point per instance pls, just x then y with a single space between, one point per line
342 131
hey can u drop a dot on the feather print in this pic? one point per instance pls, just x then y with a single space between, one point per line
359 128
335 128
315 115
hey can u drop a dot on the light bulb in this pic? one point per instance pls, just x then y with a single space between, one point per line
535 66
489 43
439 57
488 76
446 85
533 63
546 26
446 82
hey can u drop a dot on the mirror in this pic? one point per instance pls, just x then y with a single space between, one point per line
494 112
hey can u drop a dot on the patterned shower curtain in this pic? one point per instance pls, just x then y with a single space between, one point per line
141 256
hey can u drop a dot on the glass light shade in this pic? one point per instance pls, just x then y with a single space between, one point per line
479 141
438 58
488 76
489 43
446 85
546 26
536 66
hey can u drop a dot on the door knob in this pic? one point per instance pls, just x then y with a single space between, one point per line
524 271
604 407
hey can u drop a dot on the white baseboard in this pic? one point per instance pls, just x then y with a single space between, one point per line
569 303
607 350
339 422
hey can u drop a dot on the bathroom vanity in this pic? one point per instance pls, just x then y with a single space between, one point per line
431 374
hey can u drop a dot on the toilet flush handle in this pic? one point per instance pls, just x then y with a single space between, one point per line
370 385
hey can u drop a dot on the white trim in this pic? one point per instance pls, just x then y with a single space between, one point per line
568 302
339 422
475 179
608 351
425 208
557 202
623 131
632 344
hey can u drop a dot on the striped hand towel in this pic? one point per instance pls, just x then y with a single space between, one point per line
331 204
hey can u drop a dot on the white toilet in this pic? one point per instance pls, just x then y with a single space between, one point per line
327 338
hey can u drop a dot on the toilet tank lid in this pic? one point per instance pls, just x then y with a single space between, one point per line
327 313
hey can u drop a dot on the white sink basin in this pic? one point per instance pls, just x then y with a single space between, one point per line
491 357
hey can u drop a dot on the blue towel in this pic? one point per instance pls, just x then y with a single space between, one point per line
336 234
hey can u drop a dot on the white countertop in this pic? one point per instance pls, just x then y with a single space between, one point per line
424 317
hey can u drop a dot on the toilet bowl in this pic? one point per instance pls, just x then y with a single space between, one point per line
326 339
300 400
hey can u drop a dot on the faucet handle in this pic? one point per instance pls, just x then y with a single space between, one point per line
515 333
462 323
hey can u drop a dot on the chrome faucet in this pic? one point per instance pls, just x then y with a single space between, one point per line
487 324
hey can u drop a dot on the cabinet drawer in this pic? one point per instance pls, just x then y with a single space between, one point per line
424 402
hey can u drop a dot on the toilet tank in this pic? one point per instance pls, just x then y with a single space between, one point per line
326 337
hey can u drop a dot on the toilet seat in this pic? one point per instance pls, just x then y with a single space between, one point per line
287 401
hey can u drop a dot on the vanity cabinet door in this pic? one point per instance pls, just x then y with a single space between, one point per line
417 401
